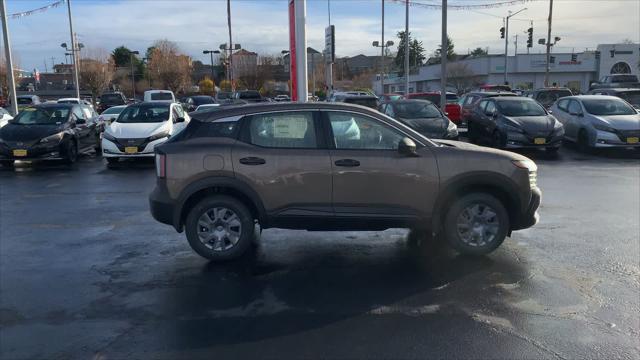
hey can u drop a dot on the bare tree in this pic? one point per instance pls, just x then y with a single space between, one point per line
96 72
169 67
4 79
460 76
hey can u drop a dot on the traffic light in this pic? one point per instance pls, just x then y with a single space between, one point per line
530 37
574 57
502 32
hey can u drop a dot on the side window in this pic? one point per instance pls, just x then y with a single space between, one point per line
352 131
174 113
283 130
481 105
78 113
87 113
491 108
574 107
180 110
562 104
389 111
470 100
216 129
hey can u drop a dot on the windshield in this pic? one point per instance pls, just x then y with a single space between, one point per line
435 98
42 116
632 97
624 78
550 96
369 102
416 110
68 101
520 108
113 110
161 96
607 107
223 95
144 114
24 100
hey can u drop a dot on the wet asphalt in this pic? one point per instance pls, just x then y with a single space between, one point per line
85 272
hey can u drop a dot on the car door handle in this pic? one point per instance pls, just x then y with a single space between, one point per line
347 162
252 161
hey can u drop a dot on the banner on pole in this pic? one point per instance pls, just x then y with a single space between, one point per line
34 11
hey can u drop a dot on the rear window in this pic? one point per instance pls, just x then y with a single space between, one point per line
550 96
226 129
112 99
24 101
369 102
249 95
161 96
624 78
632 97
113 110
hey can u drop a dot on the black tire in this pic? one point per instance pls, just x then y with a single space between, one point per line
71 153
247 230
112 160
6 163
98 147
484 201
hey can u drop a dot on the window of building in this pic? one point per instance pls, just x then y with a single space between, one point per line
621 68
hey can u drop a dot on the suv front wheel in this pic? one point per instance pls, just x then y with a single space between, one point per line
219 228
476 224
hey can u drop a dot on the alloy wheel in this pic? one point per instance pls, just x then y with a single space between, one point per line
478 225
219 228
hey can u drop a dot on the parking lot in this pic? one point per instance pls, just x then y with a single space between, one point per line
85 272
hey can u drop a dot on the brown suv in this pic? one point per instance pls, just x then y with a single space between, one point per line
321 166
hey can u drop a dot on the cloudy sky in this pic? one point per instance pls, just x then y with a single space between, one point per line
261 25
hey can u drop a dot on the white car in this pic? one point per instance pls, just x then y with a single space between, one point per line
206 107
109 115
4 117
74 101
159 95
140 128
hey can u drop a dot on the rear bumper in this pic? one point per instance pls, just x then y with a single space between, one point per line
161 209
530 216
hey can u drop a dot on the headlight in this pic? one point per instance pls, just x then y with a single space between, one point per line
452 129
512 128
159 135
53 139
603 127
106 135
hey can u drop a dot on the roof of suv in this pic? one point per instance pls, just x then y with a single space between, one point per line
210 115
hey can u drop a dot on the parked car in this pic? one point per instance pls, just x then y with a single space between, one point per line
250 96
469 101
159 95
515 122
190 103
630 95
452 109
616 81
598 121
548 96
110 99
4 117
495 88
48 132
282 98
25 101
422 116
141 127
74 101
222 96
272 164
364 100
206 107
109 115
390 97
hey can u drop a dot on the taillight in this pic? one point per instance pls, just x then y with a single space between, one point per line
161 165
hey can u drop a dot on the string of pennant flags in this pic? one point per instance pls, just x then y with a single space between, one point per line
35 11
462 7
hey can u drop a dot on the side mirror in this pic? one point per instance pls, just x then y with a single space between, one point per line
179 120
407 147
80 121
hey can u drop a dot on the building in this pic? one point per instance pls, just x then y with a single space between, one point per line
314 59
573 70
244 63
350 67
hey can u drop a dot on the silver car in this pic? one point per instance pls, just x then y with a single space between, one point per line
598 121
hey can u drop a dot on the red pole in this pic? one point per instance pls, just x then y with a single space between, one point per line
292 51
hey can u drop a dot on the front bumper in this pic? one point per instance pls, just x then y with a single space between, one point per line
109 149
35 152
516 140
529 216
605 139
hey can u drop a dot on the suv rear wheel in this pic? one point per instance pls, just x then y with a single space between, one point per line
476 224
220 228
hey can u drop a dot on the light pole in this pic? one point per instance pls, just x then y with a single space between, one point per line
211 52
406 48
226 48
383 46
7 49
506 40
73 50
133 79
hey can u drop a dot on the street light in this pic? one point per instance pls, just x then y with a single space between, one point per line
133 80
211 52
385 45
225 48
506 40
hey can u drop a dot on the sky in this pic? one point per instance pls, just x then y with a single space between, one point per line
262 25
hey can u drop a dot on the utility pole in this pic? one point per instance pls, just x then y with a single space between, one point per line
443 58
382 53
230 45
73 51
548 67
516 43
406 48
7 52
506 40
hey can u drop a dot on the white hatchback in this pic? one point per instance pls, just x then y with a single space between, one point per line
140 128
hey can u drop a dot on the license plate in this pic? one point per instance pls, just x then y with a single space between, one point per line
131 149
539 141
19 152
632 140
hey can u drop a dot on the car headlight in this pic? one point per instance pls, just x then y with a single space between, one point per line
106 135
159 135
603 127
52 139
452 129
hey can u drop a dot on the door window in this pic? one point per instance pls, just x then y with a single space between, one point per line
490 109
482 104
283 130
562 104
78 113
574 107
180 110
470 100
352 131
389 110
